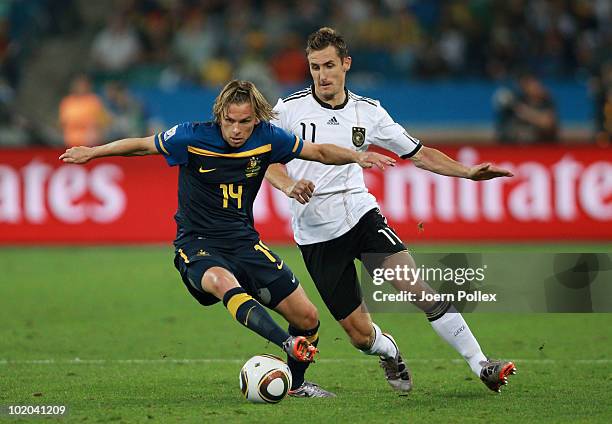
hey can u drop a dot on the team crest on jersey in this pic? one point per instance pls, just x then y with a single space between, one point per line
253 167
358 136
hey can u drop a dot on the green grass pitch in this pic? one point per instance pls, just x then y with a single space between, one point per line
111 333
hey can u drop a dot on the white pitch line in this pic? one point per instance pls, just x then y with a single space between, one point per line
78 361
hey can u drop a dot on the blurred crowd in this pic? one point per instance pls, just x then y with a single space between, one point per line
89 119
23 24
206 42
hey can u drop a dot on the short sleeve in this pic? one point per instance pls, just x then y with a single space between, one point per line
280 110
173 143
285 146
390 135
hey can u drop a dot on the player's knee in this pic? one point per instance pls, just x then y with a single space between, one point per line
217 281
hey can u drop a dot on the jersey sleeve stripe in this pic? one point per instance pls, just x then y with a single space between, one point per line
296 145
362 99
298 94
296 97
414 152
411 138
258 151
160 145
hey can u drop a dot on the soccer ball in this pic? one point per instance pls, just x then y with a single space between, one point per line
265 379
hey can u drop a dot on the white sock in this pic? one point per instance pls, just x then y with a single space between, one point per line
452 327
382 346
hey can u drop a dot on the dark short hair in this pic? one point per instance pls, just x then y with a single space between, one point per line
325 37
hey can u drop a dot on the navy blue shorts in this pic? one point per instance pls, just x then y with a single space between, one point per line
258 269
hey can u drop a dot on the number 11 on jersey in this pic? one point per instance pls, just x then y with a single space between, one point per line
314 131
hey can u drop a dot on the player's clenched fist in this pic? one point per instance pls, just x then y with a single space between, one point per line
77 155
301 191
370 159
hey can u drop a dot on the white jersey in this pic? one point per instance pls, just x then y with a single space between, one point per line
340 198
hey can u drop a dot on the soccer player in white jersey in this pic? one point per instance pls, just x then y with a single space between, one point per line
339 221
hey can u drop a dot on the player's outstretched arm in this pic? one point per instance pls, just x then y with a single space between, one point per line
125 147
435 161
300 190
330 154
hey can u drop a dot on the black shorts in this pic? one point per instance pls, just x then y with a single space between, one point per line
258 270
331 263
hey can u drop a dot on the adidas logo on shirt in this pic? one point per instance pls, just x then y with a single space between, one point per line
333 121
